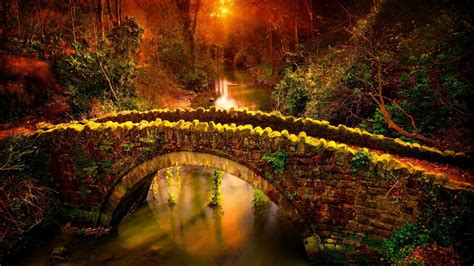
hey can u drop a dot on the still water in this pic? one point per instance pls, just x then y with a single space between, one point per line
236 89
190 232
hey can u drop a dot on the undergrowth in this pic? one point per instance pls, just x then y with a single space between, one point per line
27 202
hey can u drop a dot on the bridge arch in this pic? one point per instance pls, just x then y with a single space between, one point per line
343 197
134 185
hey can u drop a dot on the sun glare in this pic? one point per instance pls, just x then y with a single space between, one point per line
222 11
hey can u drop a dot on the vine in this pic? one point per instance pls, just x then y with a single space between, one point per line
360 160
216 188
173 182
277 160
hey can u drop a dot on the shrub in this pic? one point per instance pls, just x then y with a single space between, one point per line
293 92
416 99
402 243
247 57
292 62
359 75
171 54
330 89
433 255
297 99
425 70
126 38
441 232
103 72
458 91
27 203
196 80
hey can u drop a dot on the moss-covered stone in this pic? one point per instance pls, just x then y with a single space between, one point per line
317 183
314 127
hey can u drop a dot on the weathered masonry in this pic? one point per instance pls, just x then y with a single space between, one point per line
104 166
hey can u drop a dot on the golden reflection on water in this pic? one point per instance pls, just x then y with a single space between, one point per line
222 90
195 226
237 89
190 232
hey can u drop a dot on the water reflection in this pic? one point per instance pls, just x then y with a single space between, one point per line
190 232
233 233
222 90
238 89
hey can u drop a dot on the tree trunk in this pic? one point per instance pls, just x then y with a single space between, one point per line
183 7
73 24
189 25
40 18
270 33
117 11
309 9
193 34
120 12
4 22
109 11
295 28
99 14
18 19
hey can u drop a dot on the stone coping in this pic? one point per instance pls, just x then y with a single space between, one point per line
312 127
301 142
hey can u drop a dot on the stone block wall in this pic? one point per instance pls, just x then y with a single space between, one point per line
94 164
314 128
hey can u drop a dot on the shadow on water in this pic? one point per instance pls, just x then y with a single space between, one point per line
189 232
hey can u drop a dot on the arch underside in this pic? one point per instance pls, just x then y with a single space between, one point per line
134 186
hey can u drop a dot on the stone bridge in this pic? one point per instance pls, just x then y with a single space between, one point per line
334 197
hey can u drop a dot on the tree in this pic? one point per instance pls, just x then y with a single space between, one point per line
99 19
73 24
309 8
4 21
189 11
286 24
365 49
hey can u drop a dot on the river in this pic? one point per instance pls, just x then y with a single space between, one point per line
190 232
236 89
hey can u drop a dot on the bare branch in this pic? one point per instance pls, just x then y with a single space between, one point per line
412 120
379 98
108 80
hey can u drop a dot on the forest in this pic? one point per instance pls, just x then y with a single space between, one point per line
398 72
